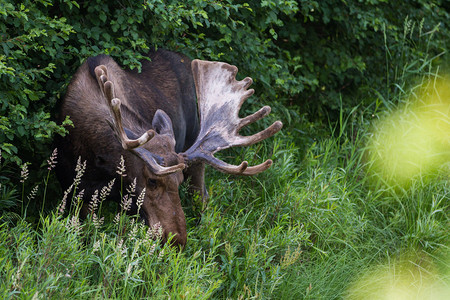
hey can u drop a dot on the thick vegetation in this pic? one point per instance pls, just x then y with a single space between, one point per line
321 223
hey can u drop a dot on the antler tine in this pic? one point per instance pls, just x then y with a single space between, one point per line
262 135
101 74
255 117
156 168
242 169
114 103
220 97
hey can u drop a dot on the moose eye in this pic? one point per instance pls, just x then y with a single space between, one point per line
152 184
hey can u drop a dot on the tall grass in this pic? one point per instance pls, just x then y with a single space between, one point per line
306 228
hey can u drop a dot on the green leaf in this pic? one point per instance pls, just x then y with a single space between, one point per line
102 16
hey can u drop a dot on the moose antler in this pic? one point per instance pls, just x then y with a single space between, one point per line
220 98
107 88
133 145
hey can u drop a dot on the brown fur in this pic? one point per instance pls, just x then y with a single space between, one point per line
165 83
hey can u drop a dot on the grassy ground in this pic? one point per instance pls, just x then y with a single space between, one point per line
316 225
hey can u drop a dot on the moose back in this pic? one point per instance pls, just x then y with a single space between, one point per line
166 122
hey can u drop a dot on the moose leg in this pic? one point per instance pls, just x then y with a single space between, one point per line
196 176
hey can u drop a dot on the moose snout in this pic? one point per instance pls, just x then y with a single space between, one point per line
176 237
168 227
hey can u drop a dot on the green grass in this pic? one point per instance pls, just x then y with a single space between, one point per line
319 224
307 228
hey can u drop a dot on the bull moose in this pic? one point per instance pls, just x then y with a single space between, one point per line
153 120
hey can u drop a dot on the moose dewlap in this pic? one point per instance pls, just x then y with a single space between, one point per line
153 120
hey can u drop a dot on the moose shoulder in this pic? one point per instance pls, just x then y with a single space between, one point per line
152 120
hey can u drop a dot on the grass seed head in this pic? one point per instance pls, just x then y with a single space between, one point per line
154 232
52 160
62 205
126 203
96 246
33 193
161 255
134 230
132 188
78 198
98 222
290 257
152 249
116 219
140 200
79 169
93 204
121 170
106 190
74 225
24 173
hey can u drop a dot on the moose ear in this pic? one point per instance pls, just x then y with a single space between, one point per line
162 124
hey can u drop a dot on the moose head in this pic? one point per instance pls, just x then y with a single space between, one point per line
150 153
